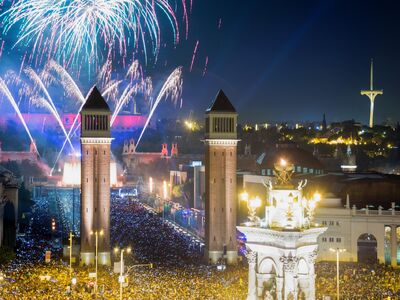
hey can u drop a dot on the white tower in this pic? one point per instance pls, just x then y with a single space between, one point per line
371 94
282 248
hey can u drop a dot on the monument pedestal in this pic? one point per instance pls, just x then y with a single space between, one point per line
281 262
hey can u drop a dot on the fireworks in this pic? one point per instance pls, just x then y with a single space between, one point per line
76 31
194 56
172 88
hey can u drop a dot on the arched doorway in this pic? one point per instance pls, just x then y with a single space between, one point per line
367 248
266 281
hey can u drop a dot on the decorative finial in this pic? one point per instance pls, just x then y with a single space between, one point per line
283 172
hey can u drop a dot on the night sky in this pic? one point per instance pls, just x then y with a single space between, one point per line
282 60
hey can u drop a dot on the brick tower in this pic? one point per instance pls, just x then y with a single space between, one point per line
95 179
220 166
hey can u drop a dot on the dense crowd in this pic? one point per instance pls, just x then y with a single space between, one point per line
358 281
53 282
134 225
176 273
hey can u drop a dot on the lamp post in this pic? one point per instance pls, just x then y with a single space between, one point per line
252 205
96 234
70 252
338 251
121 273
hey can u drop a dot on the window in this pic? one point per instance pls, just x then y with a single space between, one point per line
263 172
324 223
324 239
337 223
338 240
305 170
331 223
331 239
298 169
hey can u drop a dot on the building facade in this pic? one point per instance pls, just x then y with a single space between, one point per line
220 177
95 179
366 235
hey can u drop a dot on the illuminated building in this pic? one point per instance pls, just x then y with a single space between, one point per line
19 156
368 235
95 178
282 247
72 174
46 122
371 94
132 158
220 178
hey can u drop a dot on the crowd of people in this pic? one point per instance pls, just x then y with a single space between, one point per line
175 272
358 281
132 224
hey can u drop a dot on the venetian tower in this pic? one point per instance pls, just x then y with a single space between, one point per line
220 167
371 94
95 179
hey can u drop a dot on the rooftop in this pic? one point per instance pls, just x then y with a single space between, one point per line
221 104
95 101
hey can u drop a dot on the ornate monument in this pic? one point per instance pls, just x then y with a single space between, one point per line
282 247
220 168
371 94
95 180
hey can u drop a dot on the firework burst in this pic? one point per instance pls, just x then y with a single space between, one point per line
80 31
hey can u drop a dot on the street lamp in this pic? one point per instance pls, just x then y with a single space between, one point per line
337 250
309 206
252 205
121 273
70 252
96 234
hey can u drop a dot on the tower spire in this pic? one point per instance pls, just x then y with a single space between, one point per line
372 74
371 94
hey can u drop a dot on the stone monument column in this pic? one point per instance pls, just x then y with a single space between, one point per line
252 285
393 243
290 286
279 288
